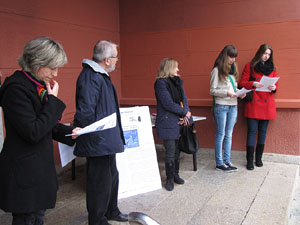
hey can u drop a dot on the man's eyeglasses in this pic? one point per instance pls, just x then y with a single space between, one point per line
114 57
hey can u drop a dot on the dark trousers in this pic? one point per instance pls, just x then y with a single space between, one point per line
102 189
257 126
33 218
172 151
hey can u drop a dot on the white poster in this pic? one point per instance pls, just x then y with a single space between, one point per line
137 165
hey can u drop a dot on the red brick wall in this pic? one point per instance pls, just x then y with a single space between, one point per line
194 32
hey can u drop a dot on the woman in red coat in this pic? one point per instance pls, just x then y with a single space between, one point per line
262 108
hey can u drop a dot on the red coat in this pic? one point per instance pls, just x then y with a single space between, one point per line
263 104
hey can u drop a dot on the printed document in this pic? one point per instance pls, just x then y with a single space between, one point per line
66 153
103 124
267 81
242 91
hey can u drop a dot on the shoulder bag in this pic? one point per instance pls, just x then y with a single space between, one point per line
249 95
188 141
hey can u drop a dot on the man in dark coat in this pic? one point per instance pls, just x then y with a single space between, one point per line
96 98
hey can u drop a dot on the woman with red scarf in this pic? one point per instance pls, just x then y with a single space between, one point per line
32 112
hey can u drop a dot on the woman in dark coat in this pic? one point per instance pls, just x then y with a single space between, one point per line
31 113
172 110
262 108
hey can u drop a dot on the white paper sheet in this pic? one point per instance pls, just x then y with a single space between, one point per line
103 124
267 81
198 118
66 153
242 91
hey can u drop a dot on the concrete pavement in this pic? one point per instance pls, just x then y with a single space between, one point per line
264 196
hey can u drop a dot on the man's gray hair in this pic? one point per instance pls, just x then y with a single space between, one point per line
42 52
103 50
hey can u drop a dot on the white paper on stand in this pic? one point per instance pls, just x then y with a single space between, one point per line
137 165
267 81
103 124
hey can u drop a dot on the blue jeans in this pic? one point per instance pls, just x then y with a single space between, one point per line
225 117
255 125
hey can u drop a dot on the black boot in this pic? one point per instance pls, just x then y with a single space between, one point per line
250 156
170 176
177 178
258 155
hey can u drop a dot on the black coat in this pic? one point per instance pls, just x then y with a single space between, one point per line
28 179
168 111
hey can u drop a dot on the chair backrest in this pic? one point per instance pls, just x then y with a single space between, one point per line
138 218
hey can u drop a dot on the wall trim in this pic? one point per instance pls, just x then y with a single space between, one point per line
280 103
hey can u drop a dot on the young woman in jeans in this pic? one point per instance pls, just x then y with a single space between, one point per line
262 108
223 88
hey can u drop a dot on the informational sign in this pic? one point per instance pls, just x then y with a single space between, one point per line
137 165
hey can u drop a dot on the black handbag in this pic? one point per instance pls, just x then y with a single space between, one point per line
188 141
248 97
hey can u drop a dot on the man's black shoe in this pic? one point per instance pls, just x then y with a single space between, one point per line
122 217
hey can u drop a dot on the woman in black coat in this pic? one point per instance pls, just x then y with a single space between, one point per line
31 113
172 110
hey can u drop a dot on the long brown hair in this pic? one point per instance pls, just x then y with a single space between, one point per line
262 49
223 66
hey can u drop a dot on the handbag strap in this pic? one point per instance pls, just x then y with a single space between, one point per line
232 83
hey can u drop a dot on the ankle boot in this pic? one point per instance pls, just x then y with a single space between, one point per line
250 156
170 176
177 178
258 155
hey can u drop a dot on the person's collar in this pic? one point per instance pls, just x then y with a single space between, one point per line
95 66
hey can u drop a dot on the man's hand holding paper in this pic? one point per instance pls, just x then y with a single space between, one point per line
103 124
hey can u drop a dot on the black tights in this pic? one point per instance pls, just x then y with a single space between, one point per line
172 151
33 218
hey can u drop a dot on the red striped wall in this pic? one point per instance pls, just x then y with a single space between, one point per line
194 32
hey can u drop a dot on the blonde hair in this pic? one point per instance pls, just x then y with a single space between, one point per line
166 67
42 52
